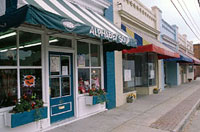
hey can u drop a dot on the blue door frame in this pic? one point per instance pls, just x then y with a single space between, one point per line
61 86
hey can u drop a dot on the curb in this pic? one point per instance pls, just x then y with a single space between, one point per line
181 125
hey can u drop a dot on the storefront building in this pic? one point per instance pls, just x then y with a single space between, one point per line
197 55
141 66
56 50
186 70
171 71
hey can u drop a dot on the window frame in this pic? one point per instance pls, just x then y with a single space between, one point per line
89 42
18 67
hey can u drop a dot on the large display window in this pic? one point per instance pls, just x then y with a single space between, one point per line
20 66
139 70
89 66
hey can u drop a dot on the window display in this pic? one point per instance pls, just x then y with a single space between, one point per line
8 87
139 70
31 82
29 51
89 67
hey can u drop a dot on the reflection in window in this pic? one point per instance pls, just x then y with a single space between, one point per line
65 65
139 70
55 87
83 80
30 49
8 48
31 82
8 87
60 42
128 73
65 86
82 54
95 55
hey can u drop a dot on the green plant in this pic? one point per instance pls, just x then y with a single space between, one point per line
100 93
27 102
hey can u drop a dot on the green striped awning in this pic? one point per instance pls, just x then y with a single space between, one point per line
61 15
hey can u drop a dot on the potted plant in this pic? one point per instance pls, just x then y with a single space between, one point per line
189 79
130 97
28 109
156 90
96 96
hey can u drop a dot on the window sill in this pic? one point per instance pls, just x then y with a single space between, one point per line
6 109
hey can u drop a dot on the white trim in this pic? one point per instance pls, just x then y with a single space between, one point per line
46 7
98 20
2 7
83 15
65 11
21 3
63 111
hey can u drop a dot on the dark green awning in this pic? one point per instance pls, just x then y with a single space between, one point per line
64 16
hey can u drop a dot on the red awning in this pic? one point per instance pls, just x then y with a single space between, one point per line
162 53
195 60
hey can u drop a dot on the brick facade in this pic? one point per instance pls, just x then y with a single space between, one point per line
197 55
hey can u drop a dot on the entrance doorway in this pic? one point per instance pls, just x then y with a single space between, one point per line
61 86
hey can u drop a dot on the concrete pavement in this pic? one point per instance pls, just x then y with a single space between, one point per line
142 114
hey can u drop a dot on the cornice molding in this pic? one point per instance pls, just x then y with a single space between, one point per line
139 23
168 39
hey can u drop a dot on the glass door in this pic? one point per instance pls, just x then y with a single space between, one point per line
61 86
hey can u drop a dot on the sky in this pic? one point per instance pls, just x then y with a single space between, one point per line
171 15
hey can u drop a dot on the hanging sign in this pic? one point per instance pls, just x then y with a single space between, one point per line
29 81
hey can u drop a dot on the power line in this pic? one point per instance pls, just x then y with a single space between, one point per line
191 15
188 17
197 7
184 19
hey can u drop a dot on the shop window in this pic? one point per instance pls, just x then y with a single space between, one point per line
8 48
31 82
89 67
29 49
12 70
151 69
128 73
8 87
95 55
139 70
55 41
190 68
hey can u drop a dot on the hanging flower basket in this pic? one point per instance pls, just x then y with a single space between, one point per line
17 119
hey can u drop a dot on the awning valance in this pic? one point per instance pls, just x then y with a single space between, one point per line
148 44
195 60
183 57
61 15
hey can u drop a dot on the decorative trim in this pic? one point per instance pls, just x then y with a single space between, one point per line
139 23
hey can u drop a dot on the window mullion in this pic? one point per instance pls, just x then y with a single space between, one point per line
18 69
90 66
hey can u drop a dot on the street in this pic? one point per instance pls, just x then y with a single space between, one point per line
193 123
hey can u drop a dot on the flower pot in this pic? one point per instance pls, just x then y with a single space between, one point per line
17 119
129 100
93 100
155 91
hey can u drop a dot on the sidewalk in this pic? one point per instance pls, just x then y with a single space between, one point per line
161 112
